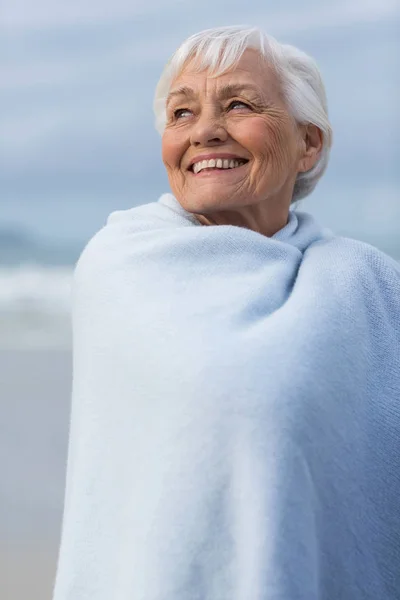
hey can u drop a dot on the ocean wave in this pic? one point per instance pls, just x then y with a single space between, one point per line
35 306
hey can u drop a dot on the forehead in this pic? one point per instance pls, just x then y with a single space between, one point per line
252 69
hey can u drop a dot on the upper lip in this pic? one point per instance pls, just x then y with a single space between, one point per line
201 157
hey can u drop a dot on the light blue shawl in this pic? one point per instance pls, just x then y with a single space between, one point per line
235 425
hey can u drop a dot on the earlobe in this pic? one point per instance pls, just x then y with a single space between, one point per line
309 160
303 166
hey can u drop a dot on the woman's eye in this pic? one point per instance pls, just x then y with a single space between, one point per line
238 103
181 112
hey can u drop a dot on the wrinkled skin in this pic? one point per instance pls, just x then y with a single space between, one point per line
254 124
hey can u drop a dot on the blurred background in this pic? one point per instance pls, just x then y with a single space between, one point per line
77 141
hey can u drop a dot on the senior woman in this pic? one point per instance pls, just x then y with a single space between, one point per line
236 367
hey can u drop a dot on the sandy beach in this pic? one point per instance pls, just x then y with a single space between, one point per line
34 406
27 572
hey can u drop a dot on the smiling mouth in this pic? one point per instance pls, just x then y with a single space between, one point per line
220 164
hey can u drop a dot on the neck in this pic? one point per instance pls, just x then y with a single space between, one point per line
268 225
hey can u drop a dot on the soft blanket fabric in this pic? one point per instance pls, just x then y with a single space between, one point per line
235 424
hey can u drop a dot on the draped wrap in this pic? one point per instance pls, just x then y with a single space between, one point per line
235 420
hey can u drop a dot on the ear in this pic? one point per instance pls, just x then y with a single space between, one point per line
312 140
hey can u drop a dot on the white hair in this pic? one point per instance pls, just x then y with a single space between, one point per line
220 49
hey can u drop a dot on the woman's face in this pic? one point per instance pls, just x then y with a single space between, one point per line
239 116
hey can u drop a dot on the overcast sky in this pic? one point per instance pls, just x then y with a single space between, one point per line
77 138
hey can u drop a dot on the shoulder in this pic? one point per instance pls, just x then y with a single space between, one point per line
100 249
349 254
104 250
121 225
355 272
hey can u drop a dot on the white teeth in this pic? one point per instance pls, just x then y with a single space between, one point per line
217 163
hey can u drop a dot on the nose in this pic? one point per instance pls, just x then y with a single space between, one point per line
208 130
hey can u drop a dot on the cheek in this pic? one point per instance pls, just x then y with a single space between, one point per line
251 135
268 139
172 150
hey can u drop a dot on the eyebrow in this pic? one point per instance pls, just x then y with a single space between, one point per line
229 90
181 91
226 91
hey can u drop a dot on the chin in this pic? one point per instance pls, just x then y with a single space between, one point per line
212 201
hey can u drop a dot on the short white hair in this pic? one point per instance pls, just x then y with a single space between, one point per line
220 49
